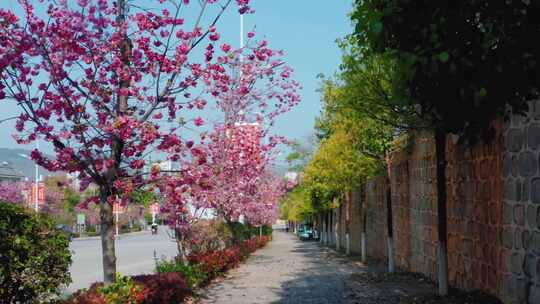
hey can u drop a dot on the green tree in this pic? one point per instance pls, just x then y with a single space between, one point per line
465 61
143 197
364 101
35 257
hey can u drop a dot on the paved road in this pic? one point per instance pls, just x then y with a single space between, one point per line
286 271
135 255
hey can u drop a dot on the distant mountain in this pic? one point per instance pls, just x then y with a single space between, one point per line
20 161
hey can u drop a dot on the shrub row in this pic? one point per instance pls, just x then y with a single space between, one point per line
34 256
214 263
174 280
246 231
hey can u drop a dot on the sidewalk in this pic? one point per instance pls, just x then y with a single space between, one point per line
286 271
291 271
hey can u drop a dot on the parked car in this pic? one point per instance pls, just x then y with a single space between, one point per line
307 234
67 229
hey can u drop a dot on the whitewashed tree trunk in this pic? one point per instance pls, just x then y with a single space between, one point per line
391 261
442 274
364 248
347 244
323 232
336 232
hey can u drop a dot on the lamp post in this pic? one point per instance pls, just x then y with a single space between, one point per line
241 30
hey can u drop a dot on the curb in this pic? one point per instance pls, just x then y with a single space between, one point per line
88 238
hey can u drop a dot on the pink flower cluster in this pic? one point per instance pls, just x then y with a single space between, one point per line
107 86
12 192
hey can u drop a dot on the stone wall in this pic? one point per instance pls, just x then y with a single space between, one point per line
520 212
493 209
375 208
355 221
474 207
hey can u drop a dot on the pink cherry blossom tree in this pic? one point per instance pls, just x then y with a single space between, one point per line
233 162
12 192
104 82
242 148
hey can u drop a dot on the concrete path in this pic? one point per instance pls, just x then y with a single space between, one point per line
285 271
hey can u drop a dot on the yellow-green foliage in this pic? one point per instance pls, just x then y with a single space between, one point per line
362 116
336 168
297 205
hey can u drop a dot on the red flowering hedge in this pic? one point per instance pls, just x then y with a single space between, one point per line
173 287
219 261
169 287
147 289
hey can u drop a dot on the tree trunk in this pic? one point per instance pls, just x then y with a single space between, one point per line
337 233
106 210
181 257
328 228
364 226
107 240
390 226
440 149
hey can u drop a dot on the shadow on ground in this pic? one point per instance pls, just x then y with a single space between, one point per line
322 280
334 278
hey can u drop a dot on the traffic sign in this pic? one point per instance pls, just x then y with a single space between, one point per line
118 209
40 193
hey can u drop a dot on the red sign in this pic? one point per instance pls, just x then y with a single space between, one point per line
118 209
154 208
40 193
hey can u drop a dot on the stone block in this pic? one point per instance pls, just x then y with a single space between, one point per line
519 188
529 265
535 242
534 294
519 214
517 238
510 189
516 263
535 190
528 164
535 109
526 239
514 168
509 285
537 219
531 216
514 140
508 237
522 289
504 261
533 136
508 213
521 119
526 190
467 247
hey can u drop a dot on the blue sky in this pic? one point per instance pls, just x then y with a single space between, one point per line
305 29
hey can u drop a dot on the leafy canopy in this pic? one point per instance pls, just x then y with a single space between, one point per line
465 60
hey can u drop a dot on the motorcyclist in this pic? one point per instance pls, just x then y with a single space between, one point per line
154 228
